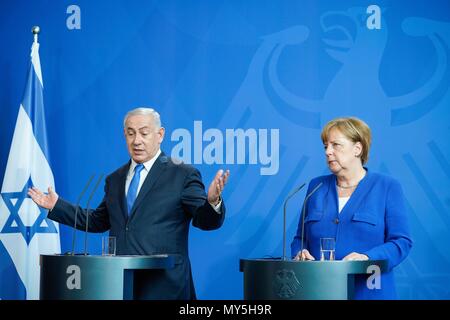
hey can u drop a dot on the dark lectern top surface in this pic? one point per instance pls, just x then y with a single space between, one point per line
158 261
350 267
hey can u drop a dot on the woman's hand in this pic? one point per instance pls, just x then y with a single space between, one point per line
304 256
355 256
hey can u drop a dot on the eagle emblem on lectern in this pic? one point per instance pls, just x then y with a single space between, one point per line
286 284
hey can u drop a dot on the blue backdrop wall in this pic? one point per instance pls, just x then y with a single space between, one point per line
278 70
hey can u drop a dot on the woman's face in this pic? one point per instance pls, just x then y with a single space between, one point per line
341 153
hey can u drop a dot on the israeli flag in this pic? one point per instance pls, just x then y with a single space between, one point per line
25 231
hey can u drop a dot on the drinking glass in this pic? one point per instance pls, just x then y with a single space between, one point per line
327 247
108 246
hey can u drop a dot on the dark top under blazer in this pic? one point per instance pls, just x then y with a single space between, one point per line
373 222
171 196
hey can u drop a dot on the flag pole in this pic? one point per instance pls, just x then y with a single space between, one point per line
35 30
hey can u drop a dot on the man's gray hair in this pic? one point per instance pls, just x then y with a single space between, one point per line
144 112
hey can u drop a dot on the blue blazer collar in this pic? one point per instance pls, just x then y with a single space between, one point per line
356 201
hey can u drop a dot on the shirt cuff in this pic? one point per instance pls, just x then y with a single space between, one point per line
218 206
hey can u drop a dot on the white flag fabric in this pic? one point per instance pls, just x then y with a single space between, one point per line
25 231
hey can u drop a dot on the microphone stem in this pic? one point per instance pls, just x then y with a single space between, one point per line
284 218
303 230
76 212
87 212
303 218
284 231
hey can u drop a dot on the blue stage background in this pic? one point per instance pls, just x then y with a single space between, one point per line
268 67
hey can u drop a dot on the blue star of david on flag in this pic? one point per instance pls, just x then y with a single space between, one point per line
14 224
25 231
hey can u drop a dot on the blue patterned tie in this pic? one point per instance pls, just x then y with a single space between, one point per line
133 188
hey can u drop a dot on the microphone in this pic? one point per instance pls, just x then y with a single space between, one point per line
87 212
76 213
303 215
284 217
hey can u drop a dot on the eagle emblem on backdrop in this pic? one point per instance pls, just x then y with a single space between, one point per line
270 96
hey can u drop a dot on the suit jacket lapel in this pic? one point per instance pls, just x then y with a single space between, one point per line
331 206
156 170
122 180
357 198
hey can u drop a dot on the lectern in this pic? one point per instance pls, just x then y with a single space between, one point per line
275 279
84 277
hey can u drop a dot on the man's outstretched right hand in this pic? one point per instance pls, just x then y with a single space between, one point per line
43 200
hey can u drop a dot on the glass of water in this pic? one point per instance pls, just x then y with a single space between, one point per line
108 246
327 247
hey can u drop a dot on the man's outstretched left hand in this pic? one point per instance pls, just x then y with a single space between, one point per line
216 187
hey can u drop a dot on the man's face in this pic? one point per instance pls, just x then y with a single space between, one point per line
143 139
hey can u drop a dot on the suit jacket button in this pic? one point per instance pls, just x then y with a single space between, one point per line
336 220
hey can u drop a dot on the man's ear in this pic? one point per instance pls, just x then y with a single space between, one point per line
161 132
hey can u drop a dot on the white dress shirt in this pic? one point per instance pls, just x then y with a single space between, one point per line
342 202
144 172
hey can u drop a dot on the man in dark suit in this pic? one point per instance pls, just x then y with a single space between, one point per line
148 205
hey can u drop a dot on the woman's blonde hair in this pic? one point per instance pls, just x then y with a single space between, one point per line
354 129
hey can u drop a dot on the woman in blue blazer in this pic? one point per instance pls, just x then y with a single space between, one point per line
364 211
